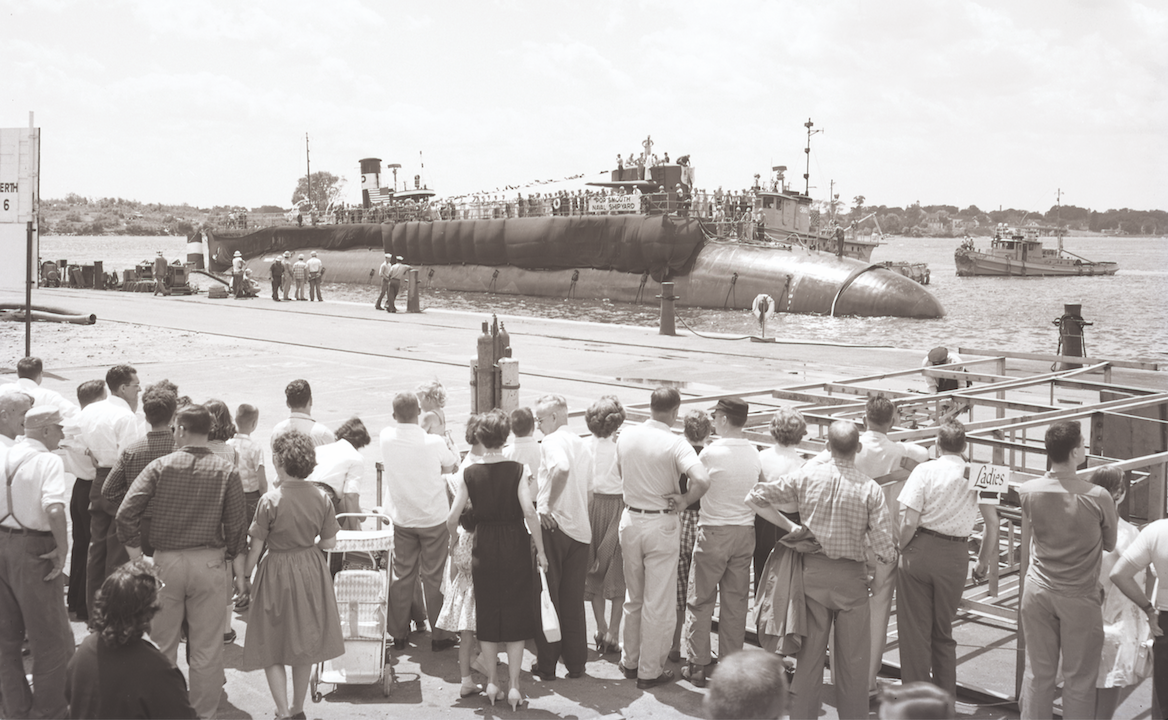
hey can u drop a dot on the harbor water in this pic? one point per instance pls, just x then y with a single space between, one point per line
1129 310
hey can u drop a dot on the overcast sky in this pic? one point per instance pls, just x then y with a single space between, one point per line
994 103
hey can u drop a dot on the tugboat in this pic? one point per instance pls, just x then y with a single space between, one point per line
1017 252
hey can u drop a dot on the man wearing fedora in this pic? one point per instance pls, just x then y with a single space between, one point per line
397 273
33 547
286 276
724 549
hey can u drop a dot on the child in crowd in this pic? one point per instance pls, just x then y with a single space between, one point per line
251 457
250 467
524 448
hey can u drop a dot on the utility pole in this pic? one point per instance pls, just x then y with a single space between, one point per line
308 163
807 173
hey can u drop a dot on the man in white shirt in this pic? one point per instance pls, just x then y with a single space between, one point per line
651 459
383 273
725 542
397 273
941 356
298 396
940 509
33 546
30 372
315 275
414 463
564 476
107 427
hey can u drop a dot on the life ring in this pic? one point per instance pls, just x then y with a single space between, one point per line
761 301
555 203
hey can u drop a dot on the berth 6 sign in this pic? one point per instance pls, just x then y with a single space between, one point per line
990 481
9 201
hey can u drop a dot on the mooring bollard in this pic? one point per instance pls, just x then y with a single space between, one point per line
1071 340
667 297
412 304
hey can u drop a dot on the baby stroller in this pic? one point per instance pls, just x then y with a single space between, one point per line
363 604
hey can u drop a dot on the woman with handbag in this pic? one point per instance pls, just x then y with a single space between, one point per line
504 576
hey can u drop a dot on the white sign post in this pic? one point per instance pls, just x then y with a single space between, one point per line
19 194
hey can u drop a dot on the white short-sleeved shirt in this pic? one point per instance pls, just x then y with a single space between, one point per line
106 427
37 485
413 475
734 468
44 396
940 492
1150 548
525 450
340 466
251 459
651 459
606 480
320 434
564 450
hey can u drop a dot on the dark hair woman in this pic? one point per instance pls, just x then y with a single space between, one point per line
115 673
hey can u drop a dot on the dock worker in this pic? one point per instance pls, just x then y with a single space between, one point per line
300 274
315 269
160 287
843 509
277 271
941 356
383 274
237 275
286 278
397 273
33 546
1072 524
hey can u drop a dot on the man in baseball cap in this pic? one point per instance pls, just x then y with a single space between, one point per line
33 547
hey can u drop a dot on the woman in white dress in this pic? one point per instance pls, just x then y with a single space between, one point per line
1126 657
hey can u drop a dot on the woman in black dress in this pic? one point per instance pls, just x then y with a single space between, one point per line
501 567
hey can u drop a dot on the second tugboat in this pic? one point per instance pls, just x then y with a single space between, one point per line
1019 252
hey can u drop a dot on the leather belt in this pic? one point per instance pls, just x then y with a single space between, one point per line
25 531
943 536
648 512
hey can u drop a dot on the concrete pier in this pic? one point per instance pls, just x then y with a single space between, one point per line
356 359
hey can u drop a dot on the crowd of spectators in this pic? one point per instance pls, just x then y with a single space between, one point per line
649 527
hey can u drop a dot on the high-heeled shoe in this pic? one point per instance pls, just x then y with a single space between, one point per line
515 698
469 687
494 693
600 642
611 645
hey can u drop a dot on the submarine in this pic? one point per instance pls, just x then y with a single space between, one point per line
641 227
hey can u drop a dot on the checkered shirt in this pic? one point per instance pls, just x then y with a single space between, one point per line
196 500
837 503
132 462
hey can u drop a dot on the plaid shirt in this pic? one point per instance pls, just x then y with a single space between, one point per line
196 500
839 505
131 463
